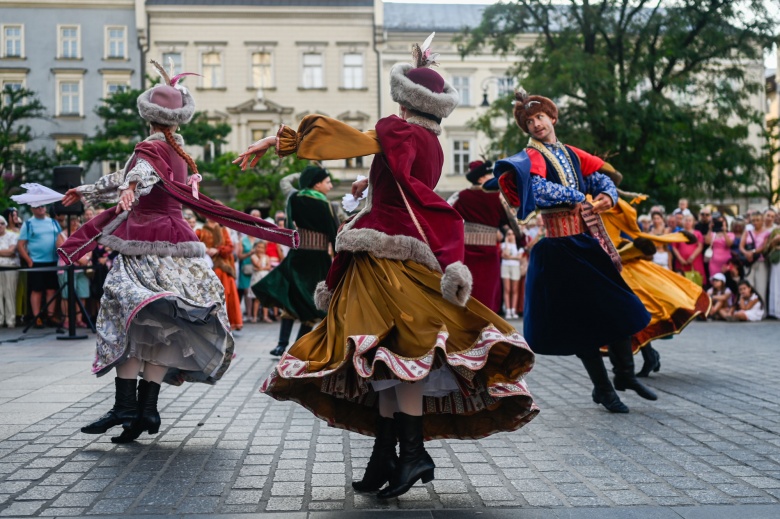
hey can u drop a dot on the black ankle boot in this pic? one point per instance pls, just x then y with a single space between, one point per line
383 461
603 392
285 330
652 361
124 411
414 463
148 418
622 357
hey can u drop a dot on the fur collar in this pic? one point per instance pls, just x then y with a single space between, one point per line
425 123
160 136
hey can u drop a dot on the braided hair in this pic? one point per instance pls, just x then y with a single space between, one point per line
168 132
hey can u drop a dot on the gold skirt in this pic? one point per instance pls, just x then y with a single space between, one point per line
388 320
672 300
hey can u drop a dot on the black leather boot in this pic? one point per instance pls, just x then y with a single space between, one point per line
622 357
414 463
148 418
284 337
383 461
603 392
124 411
652 360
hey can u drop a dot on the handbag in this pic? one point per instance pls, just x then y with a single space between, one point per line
693 276
247 269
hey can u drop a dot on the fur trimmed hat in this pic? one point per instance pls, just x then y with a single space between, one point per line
477 170
420 88
527 106
167 104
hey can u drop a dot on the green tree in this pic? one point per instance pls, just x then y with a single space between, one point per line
258 186
661 87
17 163
768 186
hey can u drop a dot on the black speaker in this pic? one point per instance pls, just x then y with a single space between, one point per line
67 177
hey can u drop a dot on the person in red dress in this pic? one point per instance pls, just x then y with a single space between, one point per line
483 214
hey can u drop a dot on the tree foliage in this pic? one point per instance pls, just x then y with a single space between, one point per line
768 186
18 163
662 88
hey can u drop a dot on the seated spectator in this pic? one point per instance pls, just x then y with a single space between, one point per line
9 262
37 248
750 307
721 296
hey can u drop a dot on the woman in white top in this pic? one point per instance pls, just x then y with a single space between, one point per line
658 228
510 273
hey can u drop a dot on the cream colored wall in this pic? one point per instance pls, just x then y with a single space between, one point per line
283 29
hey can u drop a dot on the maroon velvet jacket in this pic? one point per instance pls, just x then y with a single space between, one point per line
156 225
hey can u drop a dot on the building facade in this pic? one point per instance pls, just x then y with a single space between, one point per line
71 54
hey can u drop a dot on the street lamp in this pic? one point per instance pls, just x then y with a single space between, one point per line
485 82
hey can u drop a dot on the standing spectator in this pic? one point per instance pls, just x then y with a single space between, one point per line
245 270
720 242
11 216
280 218
770 215
37 248
261 266
737 229
220 249
644 222
101 265
510 273
772 253
9 261
658 228
751 246
89 213
688 257
80 279
671 222
704 226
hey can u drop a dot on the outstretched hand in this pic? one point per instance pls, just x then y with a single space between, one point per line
71 197
254 153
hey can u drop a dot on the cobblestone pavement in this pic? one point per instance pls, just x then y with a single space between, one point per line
712 438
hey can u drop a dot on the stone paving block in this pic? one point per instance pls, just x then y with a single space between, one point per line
22 508
207 489
457 501
62 512
41 492
708 497
110 507
288 489
495 494
331 480
284 503
327 493
243 497
761 482
541 499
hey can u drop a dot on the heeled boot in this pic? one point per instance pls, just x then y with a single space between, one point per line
414 463
284 337
622 357
603 392
383 461
652 360
124 411
148 418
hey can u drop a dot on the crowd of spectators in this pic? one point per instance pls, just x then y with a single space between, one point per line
735 258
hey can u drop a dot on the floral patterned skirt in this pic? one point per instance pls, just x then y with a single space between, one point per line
166 311
388 321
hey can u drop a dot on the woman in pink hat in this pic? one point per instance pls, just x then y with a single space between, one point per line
163 308
404 354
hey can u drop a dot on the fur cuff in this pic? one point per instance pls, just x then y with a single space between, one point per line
456 283
322 296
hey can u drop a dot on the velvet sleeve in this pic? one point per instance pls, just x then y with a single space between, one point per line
322 138
597 183
549 194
